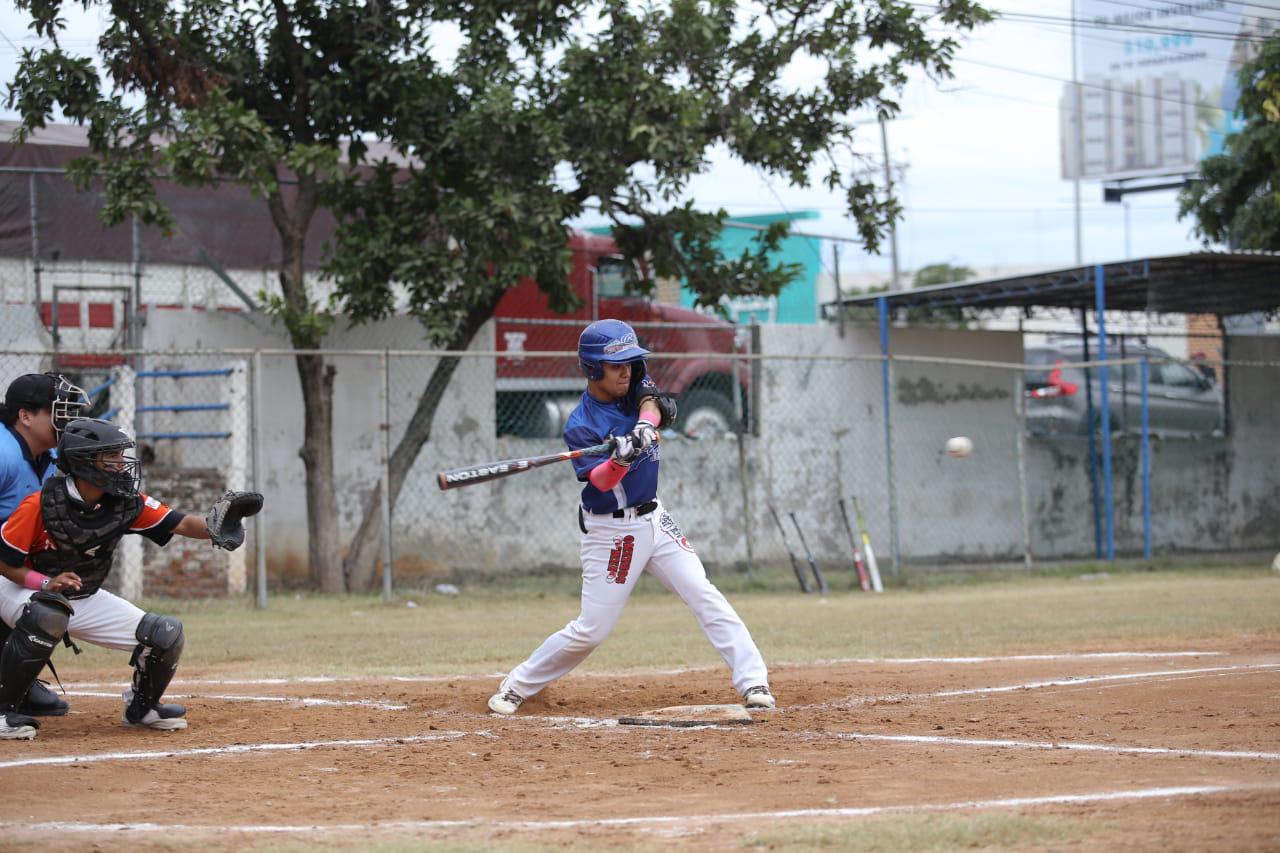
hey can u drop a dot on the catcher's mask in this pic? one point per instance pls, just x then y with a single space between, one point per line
50 391
101 453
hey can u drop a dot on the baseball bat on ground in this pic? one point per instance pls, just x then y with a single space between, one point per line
872 568
488 471
858 566
795 566
808 555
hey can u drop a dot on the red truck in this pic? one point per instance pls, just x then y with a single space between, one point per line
536 393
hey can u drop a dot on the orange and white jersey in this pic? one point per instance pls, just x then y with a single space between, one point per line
24 535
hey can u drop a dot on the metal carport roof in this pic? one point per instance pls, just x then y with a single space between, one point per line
1222 283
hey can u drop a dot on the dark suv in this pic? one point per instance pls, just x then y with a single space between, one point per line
1181 400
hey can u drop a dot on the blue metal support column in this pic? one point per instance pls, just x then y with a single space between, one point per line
1091 429
1104 421
1145 367
886 381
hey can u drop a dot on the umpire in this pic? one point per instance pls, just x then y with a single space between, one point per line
36 407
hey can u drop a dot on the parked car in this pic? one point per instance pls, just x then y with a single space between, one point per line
1180 400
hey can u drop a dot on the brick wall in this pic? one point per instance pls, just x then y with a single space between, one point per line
185 568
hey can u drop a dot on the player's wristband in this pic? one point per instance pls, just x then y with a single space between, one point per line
36 581
651 417
607 474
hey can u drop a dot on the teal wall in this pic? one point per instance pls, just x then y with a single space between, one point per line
798 301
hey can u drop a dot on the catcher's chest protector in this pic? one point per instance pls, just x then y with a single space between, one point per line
84 541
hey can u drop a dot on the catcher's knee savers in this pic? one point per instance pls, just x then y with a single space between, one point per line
35 635
155 659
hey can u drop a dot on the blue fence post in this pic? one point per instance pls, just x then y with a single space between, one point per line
1094 475
1145 369
886 381
1100 306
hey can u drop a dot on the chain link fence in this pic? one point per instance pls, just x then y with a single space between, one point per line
807 436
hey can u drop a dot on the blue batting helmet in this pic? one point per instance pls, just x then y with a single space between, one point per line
607 340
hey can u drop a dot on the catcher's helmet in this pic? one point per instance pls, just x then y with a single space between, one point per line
84 441
607 340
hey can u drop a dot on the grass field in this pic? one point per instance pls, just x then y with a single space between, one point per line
491 628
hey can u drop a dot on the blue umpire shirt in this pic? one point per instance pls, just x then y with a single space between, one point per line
592 422
20 472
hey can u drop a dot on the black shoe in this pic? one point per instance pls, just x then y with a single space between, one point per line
161 716
16 726
40 701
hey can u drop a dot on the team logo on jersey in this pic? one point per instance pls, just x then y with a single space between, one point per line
620 559
669 527
152 503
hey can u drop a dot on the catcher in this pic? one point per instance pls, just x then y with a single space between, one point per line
55 553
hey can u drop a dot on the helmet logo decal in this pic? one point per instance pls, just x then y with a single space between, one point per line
619 344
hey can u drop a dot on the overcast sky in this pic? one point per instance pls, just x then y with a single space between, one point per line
978 159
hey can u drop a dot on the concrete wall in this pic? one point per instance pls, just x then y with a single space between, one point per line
820 439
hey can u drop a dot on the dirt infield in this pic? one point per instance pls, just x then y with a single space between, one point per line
1150 748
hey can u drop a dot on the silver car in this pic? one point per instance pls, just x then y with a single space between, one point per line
1181 401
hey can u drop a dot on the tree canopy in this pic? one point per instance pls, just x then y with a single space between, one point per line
454 142
1236 201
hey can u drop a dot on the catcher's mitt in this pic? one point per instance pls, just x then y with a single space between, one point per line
223 521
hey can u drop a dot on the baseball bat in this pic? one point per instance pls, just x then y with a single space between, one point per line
795 566
489 471
872 568
808 555
858 566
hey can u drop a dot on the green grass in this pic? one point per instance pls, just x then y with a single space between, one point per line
490 628
928 833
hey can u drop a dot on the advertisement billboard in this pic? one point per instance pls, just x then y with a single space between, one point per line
1157 89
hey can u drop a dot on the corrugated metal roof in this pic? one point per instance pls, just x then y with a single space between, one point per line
1223 283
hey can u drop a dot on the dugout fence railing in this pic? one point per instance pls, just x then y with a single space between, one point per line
809 434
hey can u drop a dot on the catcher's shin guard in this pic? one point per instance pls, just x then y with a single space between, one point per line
155 659
36 634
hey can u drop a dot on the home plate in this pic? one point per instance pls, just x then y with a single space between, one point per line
690 715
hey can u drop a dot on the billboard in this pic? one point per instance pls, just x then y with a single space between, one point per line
1158 84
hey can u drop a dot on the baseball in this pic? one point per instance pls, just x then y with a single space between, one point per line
959 447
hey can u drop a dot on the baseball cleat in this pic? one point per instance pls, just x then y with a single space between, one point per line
505 701
40 701
15 726
758 697
161 717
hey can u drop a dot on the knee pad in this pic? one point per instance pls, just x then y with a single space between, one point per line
155 658
35 635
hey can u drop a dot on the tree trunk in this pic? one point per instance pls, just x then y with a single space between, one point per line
362 559
316 379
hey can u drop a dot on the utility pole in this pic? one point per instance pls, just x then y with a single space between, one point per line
1078 100
888 188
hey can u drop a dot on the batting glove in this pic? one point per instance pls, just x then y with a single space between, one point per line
624 449
644 434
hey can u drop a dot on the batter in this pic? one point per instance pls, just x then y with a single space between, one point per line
625 528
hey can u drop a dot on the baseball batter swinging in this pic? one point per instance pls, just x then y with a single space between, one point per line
625 528
56 551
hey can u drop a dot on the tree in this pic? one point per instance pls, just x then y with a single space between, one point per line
262 93
513 119
931 274
614 106
1236 201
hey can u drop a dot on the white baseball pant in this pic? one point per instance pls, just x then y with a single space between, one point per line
615 552
103 619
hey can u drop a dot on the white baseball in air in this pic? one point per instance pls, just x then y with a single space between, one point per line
959 447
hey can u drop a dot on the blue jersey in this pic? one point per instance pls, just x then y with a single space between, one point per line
20 472
591 423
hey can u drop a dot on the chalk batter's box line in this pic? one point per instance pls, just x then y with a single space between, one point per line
646 823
